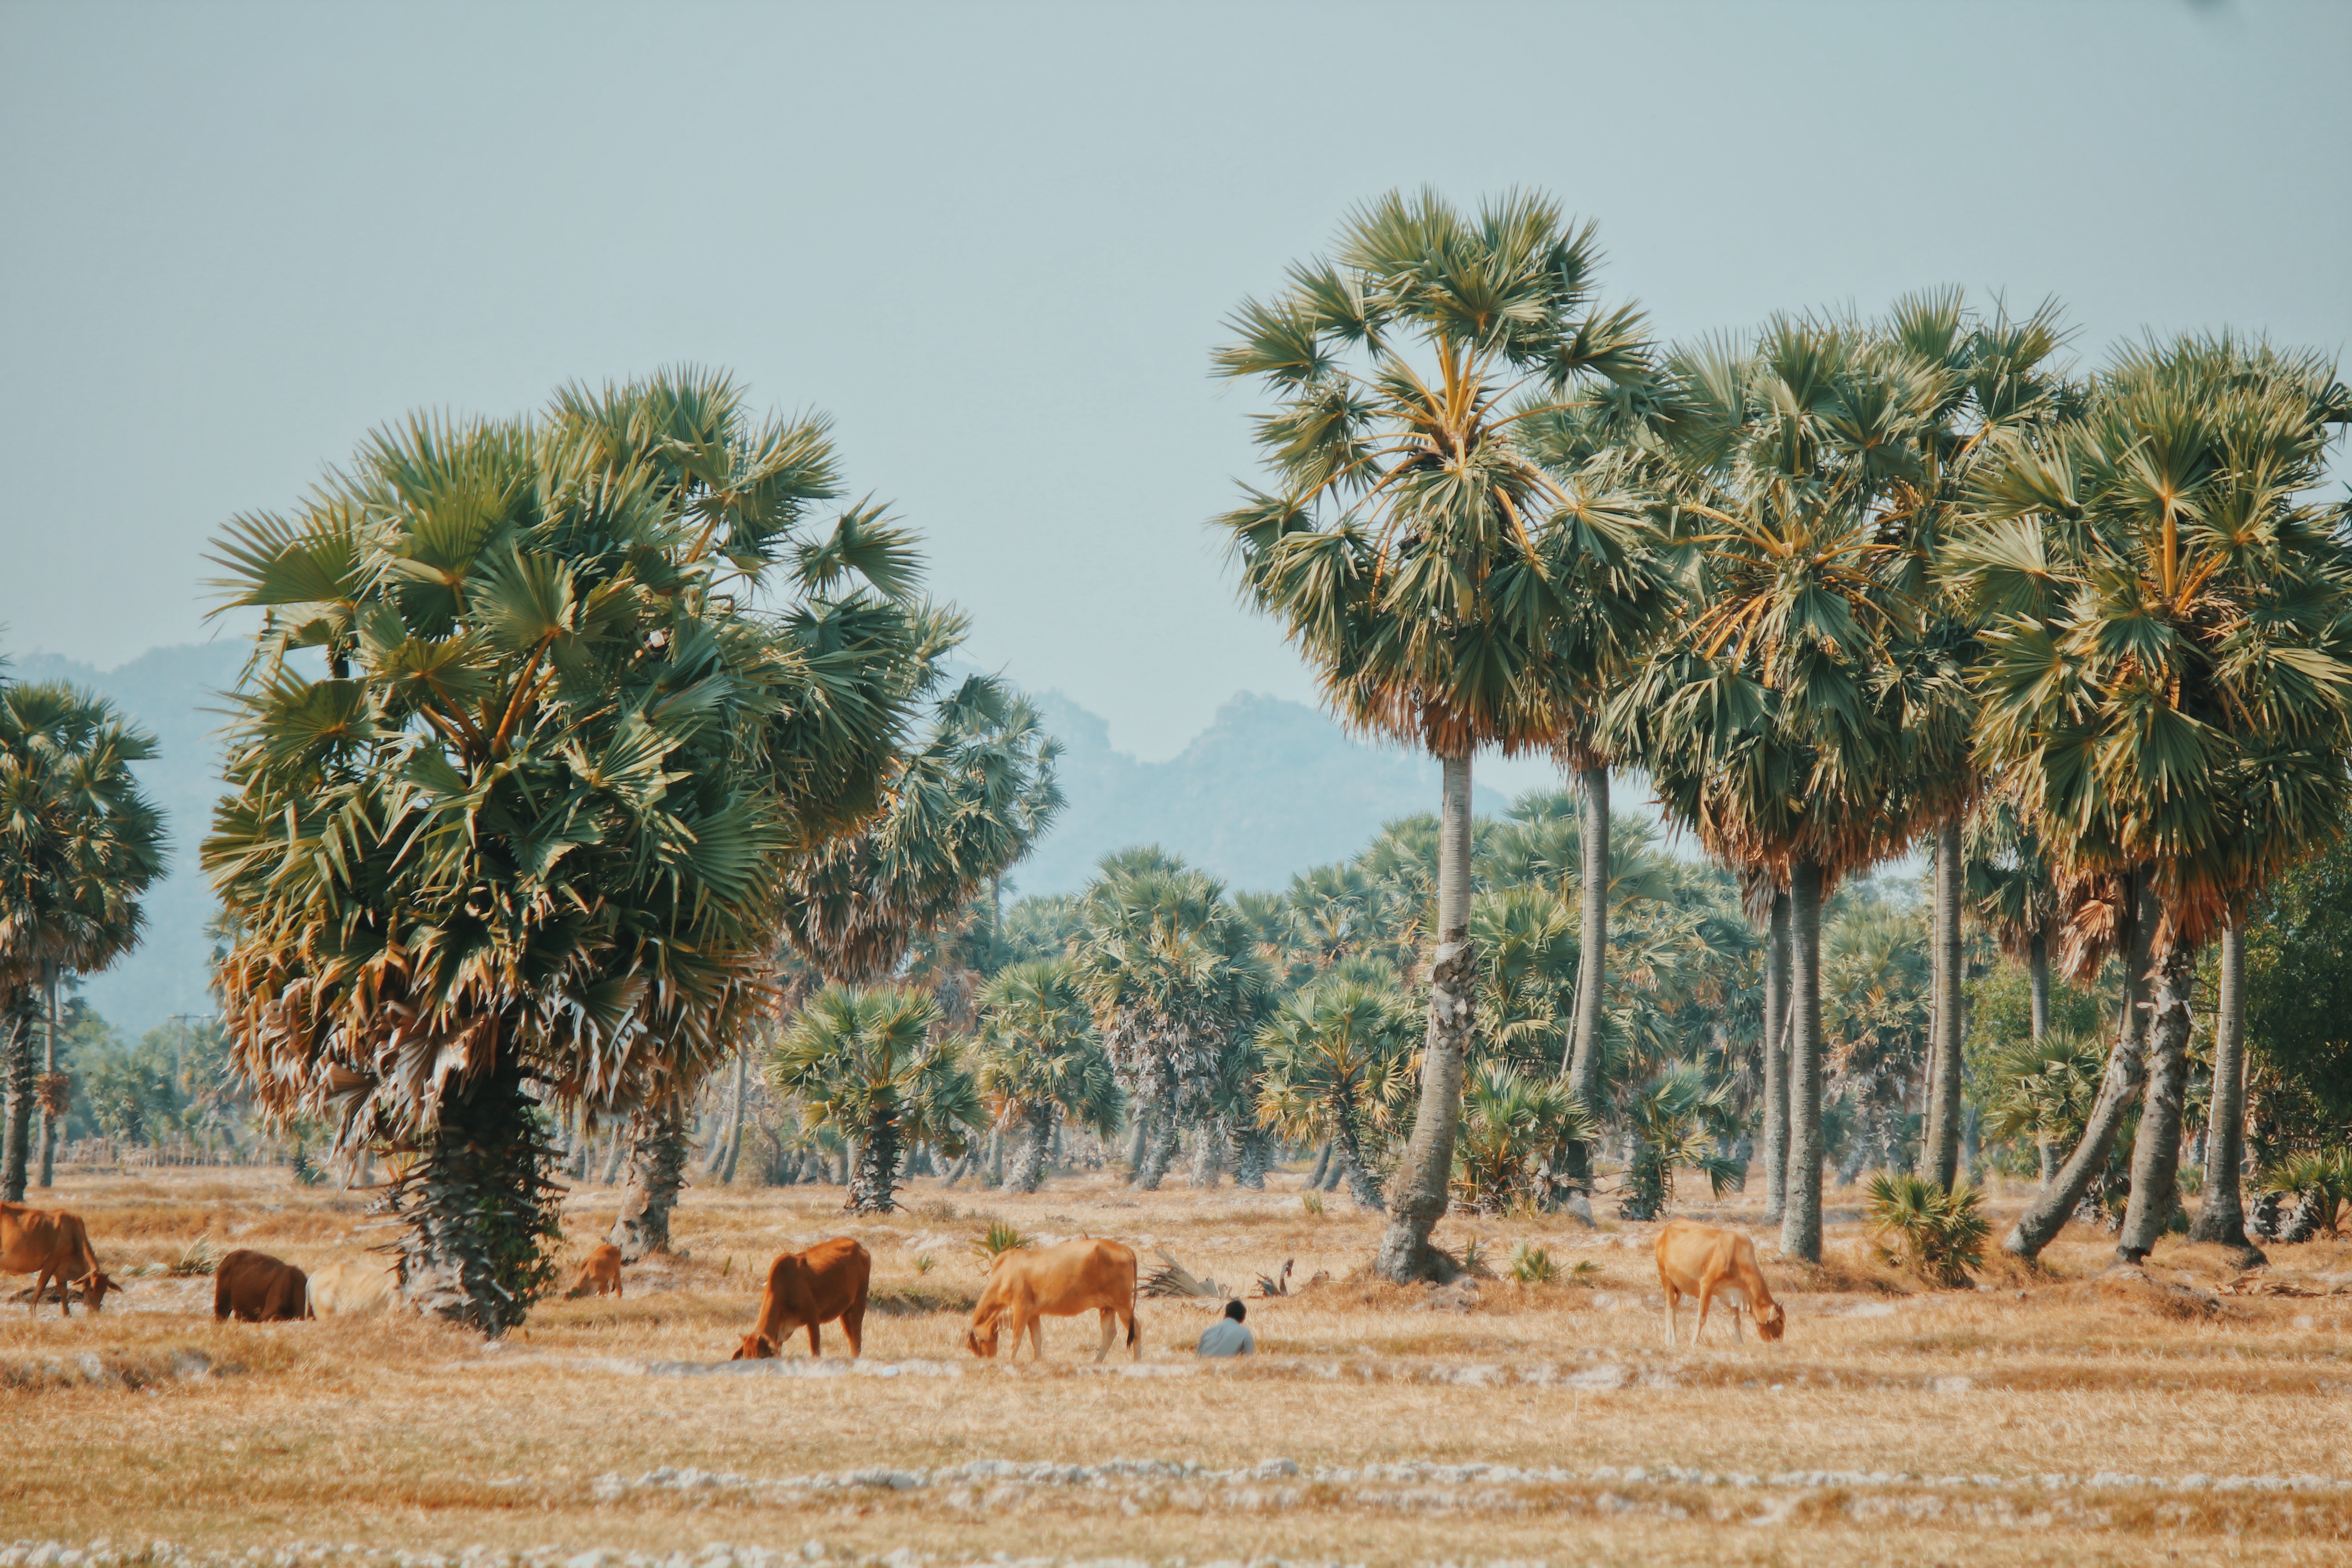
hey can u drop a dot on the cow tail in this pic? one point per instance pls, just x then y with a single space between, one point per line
1130 1328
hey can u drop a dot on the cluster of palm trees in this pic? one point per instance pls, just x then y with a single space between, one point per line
79 846
1838 587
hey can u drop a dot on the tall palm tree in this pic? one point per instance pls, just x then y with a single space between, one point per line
1338 1065
1772 722
1412 546
1173 973
1039 1064
517 844
1986 377
2169 671
79 846
869 1063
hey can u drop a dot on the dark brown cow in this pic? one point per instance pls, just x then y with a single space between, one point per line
255 1287
805 1289
50 1244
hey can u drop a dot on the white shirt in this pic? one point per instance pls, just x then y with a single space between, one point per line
1224 1337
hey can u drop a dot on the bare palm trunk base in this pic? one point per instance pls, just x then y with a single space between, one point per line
15 1157
1776 1061
1251 1155
657 1155
1801 1220
2221 1217
1348 1164
48 1075
2156 1147
1939 1155
2047 1214
1159 1148
1591 978
1418 1193
482 1212
1322 1164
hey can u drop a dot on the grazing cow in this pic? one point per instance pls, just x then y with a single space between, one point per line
600 1275
805 1289
353 1288
1701 1260
50 1244
1025 1287
256 1287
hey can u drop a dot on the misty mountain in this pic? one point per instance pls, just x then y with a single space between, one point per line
1270 788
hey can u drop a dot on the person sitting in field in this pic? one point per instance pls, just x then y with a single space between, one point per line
1228 1336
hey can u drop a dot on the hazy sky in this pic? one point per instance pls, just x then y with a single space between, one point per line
996 241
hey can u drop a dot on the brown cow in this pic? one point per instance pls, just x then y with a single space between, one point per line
50 1244
805 1289
601 1274
256 1287
1024 1288
1700 1261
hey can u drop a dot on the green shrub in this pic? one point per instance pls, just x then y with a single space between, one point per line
1533 1266
1941 1235
1313 1203
1001 1238
2322 1184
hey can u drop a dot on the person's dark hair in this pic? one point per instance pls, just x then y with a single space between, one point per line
1236 1311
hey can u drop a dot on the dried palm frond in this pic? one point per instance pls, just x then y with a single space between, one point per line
1173 1279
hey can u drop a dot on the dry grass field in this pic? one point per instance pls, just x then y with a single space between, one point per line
2068 1415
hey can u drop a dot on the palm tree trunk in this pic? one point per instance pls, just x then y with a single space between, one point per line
1801 1221
2221 1217
2156 1147
657 1155
1592 968
1138 1142
874 1185
1418 1193
613 1157
15 1158
2047 1214
731 1131
1322 1164
1347 1158
1029 1165
483 1214
1776 1060
49 1073
2037 973
1939 1158
1251 1151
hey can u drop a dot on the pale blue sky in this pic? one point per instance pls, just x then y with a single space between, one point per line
996 241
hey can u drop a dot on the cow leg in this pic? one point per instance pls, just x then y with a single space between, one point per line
816 1342
1109 1322
853 1329
1036 1338
1706 1299
1674 1312
40 1284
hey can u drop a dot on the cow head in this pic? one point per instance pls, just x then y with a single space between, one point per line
1772 1322
981 1339
94 1287
756 1347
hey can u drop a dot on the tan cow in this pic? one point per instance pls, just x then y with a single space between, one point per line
1026 1287
599 1275
805 1289
1704 1261
355 1287
50 1244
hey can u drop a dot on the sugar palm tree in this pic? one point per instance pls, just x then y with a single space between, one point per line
517 844
1173 973
869 1063
1986 377
1337 1065
1674 1119
1772 722
79 846
1410 546
1513 1123
2171 668
1039 1065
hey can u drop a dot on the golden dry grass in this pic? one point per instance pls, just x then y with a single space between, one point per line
402 1434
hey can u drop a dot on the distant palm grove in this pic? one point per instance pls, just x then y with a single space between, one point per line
598 803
